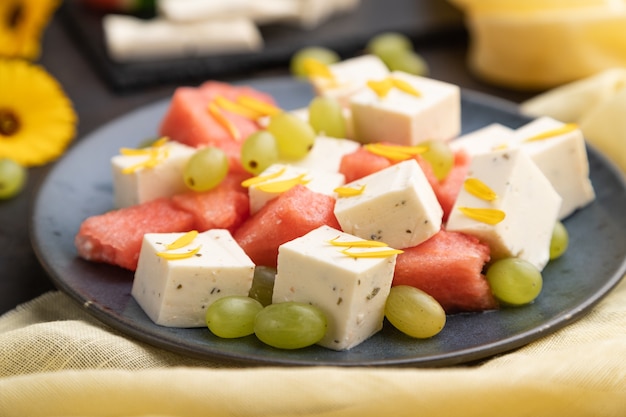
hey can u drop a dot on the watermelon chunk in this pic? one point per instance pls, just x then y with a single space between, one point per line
115 237
188 120
224 207
361 163
288 216
448 266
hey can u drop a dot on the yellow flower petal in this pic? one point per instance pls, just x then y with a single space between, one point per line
479 189
23 22
183 241
484 215
349 191
566 128
46 121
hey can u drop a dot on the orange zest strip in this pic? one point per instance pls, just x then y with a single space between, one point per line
261 107
215 111
178 255
349 191
566 128
183 241
262 178
479 189
484 215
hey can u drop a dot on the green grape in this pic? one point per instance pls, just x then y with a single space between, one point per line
414 312
385 44
440 157
559 241
326 117
12 178
206 169
263 284
259 151
319 53
514 281
232 316
407 61
290 325
294 136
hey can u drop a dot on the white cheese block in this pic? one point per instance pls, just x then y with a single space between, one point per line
177 292
327 153
397 206
562 158
350 291
528 200
350 76
406 119
307 14
129 38
485 139
149 183
323 182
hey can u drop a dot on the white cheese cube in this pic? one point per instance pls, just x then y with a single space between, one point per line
149 183
349 77
525 196
350 291
397 206
177 292
563 160
131 39
404 118
327 153
323 182
486 139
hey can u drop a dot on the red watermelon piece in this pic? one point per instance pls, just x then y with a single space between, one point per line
224 207
115 237
361 163
286 217
188 120
448 266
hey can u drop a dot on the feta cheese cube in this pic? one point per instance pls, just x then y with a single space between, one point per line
350 291
486 139
349 77
562 158
397 206
177 292
524 196
327 153
281 177
145 183
404 118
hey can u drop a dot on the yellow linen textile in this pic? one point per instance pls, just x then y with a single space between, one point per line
57 360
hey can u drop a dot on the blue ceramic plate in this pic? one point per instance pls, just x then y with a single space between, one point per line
80 186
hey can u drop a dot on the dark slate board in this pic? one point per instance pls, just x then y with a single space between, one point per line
347 34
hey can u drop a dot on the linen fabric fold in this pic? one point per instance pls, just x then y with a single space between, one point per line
57 360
